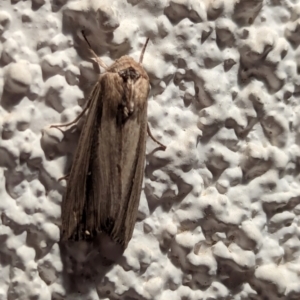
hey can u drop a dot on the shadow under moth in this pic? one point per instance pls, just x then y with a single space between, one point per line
105 181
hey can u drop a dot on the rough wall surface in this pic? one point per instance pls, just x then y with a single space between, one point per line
219 213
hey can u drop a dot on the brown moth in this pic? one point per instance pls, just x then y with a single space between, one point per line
105 182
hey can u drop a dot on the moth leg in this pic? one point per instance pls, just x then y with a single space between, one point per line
78 117
74 121
98 60
66 177
154 139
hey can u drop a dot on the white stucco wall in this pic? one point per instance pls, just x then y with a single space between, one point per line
219 212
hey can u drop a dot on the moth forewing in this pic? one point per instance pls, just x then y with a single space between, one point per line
105 181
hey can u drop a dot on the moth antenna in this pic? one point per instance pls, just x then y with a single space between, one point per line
98 60
143 51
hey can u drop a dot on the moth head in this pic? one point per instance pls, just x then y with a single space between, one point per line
129 74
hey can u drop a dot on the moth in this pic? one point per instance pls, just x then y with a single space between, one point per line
105 181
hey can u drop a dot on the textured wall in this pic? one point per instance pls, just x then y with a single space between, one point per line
219 212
